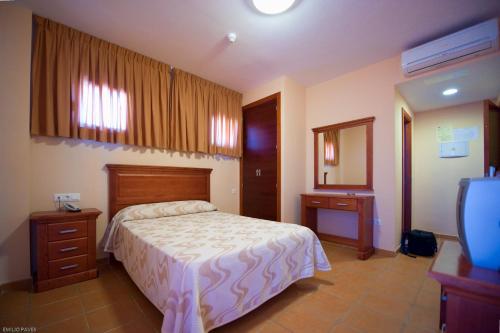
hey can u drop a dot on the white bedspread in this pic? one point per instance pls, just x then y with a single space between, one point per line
206 269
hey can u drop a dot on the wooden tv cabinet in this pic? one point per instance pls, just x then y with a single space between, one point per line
470 296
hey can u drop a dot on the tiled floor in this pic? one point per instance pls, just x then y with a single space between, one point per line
381 294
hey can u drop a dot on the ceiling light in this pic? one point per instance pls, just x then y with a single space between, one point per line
272 7
450 91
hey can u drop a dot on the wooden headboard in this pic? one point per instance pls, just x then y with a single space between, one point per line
138 184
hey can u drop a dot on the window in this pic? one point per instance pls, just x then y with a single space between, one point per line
329 153
223 131
102 107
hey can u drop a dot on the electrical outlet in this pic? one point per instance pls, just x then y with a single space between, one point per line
66 197
378 222
233 191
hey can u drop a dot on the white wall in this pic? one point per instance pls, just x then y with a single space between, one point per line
15 161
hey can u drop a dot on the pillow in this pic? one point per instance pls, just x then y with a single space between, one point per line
163 209
153 211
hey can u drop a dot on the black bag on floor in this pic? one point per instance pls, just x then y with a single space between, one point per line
421 243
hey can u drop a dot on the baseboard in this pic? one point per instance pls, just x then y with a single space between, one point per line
381 252
19 285
448 237
386 253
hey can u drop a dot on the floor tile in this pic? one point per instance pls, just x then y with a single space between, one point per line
14 320
367 320
76 324
136 326
430 300
98 298
55 311
316 313
397 308
424 318
113 316
13 302
343 328
53 295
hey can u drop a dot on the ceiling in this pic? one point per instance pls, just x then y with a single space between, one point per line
315 41
475 81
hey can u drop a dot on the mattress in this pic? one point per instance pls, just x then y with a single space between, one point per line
203 268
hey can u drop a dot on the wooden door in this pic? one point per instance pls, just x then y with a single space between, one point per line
407 189
260 162
491 137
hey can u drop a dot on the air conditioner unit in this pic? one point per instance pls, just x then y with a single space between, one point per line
470 42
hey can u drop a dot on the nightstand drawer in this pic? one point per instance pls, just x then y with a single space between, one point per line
67 230
67 266
67 248
343 204
321 202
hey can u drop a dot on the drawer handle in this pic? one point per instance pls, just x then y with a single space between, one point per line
67 249
342 204
316 202
63 268
67 231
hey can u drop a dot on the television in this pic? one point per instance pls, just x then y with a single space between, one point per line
478 221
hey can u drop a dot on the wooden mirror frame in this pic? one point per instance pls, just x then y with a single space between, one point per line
369 155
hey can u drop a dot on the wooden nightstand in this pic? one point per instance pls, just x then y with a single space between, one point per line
63 247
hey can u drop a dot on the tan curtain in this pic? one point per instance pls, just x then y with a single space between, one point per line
87 88
205 117
331 139
189 117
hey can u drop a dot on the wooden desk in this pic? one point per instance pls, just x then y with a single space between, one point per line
470 296
363 205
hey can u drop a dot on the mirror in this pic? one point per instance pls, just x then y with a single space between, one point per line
343 155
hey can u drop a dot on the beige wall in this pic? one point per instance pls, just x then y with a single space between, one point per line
292 141
352 161
15 48
436 179
78 166
363 93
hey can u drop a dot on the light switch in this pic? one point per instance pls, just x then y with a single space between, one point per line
67 197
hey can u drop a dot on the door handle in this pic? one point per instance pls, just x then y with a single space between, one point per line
63 268
67 249
67 231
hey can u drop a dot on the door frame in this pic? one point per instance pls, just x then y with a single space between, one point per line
487 107
274 97
407 141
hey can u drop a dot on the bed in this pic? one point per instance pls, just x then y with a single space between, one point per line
200 267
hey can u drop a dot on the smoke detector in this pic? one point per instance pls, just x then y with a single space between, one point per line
231 37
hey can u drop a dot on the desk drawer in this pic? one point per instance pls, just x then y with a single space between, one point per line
67 266
321 202
343 204
67 230
67 248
